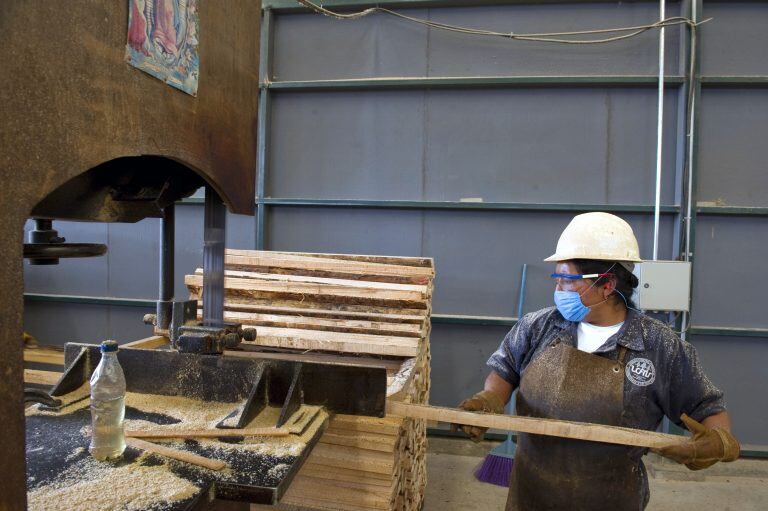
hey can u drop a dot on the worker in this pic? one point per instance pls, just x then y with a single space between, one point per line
594 358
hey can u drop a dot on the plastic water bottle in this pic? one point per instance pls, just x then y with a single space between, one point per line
107 405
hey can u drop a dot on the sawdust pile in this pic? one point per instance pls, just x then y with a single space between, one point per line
192 413
95 486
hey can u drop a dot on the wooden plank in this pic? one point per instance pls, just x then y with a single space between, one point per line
148 343
332 341
307 307
52 355
289 264
176 454
205 433
328 274
333 262
344 474
319 358
306 503
389 425
391 340
397 260
549 427
351 458
417 318
317 292
329 325
39 377
334 494
361 441
363 284
383 491
340 492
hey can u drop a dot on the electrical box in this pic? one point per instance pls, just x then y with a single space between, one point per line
664 285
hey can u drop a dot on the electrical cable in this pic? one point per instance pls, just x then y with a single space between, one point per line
547 37
556 37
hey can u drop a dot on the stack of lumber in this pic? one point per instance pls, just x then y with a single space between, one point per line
370 310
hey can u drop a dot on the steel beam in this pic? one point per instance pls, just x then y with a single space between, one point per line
497 206
262 141
468 82
291 6
469 206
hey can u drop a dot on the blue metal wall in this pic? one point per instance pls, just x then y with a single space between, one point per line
558 141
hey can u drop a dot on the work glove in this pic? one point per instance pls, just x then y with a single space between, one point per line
485 401
704 449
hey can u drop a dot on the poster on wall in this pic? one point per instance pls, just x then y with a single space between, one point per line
162 41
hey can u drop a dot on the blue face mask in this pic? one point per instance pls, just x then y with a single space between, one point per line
570 305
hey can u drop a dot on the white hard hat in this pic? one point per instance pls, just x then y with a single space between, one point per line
597 236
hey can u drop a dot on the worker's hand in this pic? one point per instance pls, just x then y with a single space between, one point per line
704 449
485 401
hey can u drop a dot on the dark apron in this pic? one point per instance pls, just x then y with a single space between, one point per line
553 473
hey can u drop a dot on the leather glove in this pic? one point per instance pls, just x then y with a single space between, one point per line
485 401
704 449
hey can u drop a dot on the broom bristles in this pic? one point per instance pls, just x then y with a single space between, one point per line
495 470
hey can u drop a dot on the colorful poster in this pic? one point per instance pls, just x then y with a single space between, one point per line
162 41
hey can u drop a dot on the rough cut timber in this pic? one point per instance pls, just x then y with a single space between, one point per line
371 310
534 425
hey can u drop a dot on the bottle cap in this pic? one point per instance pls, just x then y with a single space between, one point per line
108 347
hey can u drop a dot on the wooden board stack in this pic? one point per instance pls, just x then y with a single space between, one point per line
373 310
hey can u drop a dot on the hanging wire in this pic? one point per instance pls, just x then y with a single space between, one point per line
547 37
557 38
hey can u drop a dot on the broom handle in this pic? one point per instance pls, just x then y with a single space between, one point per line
509 445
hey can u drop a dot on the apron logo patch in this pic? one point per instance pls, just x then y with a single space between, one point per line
641 372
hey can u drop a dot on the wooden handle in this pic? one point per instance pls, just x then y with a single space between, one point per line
205 433
549 427
176 454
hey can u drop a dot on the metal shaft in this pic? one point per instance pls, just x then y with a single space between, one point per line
167 239
213 258
659 135
164 310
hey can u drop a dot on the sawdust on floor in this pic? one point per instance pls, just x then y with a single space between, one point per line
95 486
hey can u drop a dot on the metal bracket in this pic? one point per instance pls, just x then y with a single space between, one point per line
211 340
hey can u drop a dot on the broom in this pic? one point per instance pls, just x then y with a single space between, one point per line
497 465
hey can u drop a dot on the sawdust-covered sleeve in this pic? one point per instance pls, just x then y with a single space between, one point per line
690 391
506 361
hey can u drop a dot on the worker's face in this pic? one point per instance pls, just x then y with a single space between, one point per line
590 294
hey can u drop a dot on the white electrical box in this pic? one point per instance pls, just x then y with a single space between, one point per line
664 285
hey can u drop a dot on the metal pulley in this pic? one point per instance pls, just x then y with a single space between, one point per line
47 247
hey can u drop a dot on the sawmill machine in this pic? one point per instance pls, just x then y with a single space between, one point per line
92 130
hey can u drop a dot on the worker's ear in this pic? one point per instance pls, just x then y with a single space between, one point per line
609 286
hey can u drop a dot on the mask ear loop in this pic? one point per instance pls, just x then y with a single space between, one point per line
593 285
626 303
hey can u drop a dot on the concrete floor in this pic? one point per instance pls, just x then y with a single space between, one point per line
742 485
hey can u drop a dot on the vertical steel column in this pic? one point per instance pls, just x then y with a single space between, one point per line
681 129
167 244
659 133
694 81
265 74
213 258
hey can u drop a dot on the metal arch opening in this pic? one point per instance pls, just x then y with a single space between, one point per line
124 189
